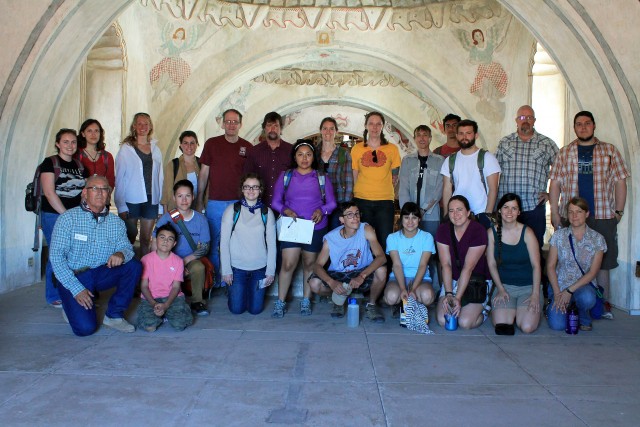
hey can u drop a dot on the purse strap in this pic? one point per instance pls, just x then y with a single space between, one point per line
573 251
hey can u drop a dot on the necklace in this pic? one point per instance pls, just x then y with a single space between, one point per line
93 158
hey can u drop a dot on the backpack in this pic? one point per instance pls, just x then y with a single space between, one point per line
264 212
33 192
321 181
452 164
176 166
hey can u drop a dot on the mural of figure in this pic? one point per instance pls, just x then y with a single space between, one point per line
172 71
491 81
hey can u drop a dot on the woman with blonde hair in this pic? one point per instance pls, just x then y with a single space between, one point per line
139 180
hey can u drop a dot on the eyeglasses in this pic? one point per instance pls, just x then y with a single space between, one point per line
521 118
351 215
231 122
97 189
375 156
250 187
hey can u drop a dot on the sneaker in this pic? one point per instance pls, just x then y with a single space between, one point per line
607 315
586 328
199 308
118 324
305 307
373 313
56 304
151 328
338 311
395 311
279 309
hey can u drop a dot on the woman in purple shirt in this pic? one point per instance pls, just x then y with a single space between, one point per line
307 195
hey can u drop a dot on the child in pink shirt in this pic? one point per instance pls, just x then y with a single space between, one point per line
161 278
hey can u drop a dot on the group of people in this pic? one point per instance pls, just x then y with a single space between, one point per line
447 204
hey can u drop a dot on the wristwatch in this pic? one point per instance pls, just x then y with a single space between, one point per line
619 213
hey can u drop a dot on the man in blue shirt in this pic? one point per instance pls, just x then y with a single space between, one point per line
90 252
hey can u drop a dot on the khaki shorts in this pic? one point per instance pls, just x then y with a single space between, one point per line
518 296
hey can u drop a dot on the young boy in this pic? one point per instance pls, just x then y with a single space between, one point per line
198 227
161 277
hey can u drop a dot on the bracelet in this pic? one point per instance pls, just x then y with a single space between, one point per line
447 293
569 290
363 276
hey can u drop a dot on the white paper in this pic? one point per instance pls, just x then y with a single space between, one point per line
295 230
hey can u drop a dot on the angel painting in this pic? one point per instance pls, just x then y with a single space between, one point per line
491 81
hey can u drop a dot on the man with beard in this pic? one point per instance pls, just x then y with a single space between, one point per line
525 158
221 166
451 146
595 171
270 157
462 174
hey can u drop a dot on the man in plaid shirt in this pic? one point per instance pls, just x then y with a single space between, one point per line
90 252
525 158
595 171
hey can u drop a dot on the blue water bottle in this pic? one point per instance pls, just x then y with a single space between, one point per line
451 321
353 313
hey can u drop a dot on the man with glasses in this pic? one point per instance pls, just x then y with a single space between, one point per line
221 166
271 156
525 158
90 252
450 146
357 259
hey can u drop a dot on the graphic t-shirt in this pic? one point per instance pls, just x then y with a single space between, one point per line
69 184
585 174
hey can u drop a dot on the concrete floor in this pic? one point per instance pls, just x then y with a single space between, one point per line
248 370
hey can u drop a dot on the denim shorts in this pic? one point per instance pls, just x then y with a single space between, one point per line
316 242
145 210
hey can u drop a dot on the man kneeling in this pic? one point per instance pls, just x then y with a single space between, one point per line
351 248
90 252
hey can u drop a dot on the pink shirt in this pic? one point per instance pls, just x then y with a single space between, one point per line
162 273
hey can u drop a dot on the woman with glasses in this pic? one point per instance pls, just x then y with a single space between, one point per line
139 180
187 166
301 192
248 248
375 164
62 179
91 151
335 161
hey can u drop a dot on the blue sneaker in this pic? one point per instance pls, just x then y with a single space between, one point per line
279 309
305 307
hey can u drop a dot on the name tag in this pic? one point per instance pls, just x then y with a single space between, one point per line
80 237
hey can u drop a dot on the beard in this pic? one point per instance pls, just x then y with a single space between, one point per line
587 139
526 129
273 136
467 143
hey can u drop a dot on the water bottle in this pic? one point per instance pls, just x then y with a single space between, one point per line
353 313
573 320
451 321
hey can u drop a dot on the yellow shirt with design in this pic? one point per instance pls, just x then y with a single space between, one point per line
374 171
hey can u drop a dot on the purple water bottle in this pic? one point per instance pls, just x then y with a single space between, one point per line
573 320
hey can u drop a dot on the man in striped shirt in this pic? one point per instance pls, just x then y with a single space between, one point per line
595 171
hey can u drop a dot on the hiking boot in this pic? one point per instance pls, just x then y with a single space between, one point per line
199 308
119 324
373 313
279 309
305 307
338 311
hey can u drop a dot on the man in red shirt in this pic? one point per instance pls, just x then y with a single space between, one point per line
221 166
451 146
270 157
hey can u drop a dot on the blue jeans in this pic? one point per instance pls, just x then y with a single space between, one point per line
124 278
48 222
215 209
244 294
585 299
536 219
